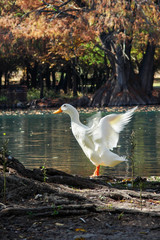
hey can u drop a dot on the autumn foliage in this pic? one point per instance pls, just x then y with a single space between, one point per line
87 35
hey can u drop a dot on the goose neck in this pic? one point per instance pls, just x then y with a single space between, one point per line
75 117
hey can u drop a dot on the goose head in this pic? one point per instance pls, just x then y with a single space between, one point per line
70 110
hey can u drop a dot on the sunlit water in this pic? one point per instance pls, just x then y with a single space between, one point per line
46 139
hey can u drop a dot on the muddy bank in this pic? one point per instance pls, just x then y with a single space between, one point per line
50 204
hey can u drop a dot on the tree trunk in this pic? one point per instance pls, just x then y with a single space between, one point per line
75 78
125 87
1 79
69 77
47 76
147 69
34 72
53 80
74 86
27 76
123 67
6 76
62 84
41 84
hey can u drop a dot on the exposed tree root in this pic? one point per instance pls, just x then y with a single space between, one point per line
63 194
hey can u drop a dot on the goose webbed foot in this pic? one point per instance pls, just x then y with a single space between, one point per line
96 172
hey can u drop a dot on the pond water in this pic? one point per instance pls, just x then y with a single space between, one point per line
46 139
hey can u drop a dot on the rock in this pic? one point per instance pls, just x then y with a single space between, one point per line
38 196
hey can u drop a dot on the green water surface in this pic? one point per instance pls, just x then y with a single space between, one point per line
46 139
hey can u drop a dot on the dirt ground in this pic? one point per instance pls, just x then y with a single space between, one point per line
55 205
93 226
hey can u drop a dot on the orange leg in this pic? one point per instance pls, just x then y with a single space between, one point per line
96 172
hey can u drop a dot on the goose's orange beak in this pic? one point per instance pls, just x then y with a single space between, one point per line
58 111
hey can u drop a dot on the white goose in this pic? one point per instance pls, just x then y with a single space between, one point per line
98 139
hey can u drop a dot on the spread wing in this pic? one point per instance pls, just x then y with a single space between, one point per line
108 129
94 120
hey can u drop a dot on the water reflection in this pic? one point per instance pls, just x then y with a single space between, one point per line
47 139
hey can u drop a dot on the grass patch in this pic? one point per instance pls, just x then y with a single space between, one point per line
3 98
156 84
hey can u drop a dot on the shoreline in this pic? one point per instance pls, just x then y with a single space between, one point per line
70 207
46 110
